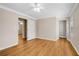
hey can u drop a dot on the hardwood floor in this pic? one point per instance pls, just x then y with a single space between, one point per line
21 39
40 47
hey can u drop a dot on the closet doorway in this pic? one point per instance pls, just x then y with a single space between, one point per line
62 29
22 32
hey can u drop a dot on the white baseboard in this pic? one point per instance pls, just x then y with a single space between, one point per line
74 46
47 39
63 36
1 48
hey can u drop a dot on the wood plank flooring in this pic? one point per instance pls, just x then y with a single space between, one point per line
40 47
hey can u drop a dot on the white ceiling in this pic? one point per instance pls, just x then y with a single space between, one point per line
50 9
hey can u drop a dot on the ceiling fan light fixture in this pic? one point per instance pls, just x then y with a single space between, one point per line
37 7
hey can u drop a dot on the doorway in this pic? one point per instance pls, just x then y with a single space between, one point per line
22 32
62 29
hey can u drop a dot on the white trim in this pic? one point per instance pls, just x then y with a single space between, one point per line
74 46
12 10
47 38
73 9
9 46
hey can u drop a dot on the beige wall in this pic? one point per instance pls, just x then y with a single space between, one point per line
46 28
74 29
9 28
31 31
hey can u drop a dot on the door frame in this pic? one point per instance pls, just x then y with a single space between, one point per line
65 29
25 26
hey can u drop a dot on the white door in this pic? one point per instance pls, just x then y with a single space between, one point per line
62 29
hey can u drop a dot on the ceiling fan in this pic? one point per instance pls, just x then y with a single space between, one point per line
37 7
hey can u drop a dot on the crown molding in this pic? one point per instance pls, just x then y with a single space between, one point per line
19 13
73 9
